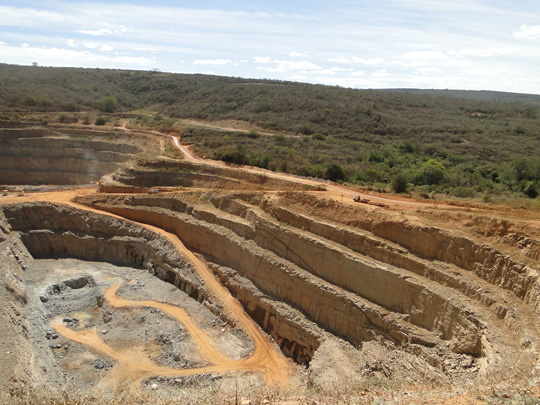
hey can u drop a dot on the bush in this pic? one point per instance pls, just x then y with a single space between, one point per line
531 189
376 157
399 183
406 147
108 104
67 119
432 172
101 120
334 172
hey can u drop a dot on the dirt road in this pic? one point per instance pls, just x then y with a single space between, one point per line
332 191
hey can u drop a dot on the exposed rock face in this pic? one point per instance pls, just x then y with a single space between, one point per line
17 355
360 285
173 173
57 231
40 156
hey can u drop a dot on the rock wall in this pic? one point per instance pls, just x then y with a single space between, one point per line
173 173
41 156
463 254
58 231
351 296
17 354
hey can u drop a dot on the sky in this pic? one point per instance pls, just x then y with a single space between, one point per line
429 44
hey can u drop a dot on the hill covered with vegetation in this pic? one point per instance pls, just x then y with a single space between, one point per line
463 144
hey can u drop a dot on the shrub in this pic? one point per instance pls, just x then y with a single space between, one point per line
531 189
334 172
108 104
406 147
66 119
432 172
253 133
399 183
101 120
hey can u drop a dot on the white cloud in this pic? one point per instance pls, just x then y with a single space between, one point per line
102 31
297 55
425 56
358 73
27 17
340 69
341 59
53 56
278 69
90 45
213 62
370 61
483 71
298 77
484 52
71 43
528 32
380 73
428 71
106 48
324 72
283 66
262 59
25 45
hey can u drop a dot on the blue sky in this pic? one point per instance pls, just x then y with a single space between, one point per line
458 44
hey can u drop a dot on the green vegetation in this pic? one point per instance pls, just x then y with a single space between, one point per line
463 144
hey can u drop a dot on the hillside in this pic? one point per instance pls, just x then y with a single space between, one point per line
464 144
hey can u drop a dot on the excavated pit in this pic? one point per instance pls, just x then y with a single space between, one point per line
37 156
347 292
34 233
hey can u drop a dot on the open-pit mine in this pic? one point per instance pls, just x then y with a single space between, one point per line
126 272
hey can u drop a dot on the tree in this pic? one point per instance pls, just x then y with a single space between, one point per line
531 189
432 172
334 172
399 183
108 104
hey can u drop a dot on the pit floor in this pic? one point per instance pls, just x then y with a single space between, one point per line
123 347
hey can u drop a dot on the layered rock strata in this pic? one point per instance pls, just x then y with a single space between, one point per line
41 156
354 284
